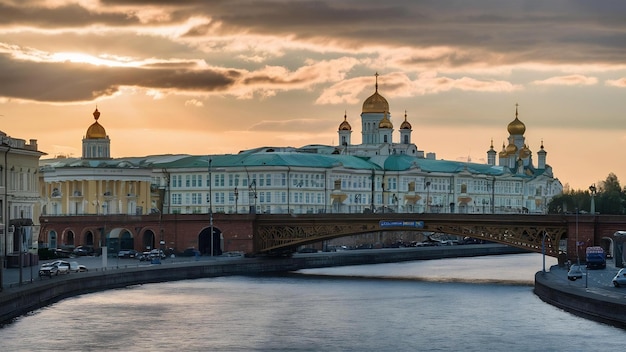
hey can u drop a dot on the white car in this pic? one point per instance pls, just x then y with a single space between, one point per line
54 268
620 278
575 272
75 267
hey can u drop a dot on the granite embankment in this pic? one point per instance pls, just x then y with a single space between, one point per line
16 300
592 297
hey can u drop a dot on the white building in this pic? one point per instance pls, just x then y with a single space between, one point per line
19 193
378 175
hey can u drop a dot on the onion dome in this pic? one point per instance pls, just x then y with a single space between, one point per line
96 131
385 123
345 126
511 149
405 124
524 152
503 153
376 103
516 127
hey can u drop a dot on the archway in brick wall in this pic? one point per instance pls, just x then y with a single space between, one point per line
148 241
204 241
118 239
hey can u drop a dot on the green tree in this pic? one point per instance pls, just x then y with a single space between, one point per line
610 199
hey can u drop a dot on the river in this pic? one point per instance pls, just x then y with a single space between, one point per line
463 304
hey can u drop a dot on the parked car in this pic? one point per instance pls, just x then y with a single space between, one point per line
54 268
157 253
575 272
75 267
620 278
190 252
143 256
127 253
82 251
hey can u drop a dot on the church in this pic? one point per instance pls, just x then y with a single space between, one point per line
384 173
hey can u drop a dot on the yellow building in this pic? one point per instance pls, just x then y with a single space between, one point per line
94 184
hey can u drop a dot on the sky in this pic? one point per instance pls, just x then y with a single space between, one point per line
220 76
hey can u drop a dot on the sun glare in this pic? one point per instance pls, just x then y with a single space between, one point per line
84 58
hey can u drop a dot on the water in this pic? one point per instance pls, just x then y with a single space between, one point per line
469 304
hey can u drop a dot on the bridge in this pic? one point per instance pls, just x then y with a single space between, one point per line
271 233
532 232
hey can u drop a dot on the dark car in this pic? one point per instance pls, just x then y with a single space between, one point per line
127 253
190 252
83 250
575 272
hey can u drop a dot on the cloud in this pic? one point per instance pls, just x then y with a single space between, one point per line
619 83
570 80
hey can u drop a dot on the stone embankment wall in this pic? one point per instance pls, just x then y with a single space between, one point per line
580 301
17 301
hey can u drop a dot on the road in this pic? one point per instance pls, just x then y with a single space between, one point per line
11 276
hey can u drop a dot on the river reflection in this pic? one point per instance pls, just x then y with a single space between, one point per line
469 304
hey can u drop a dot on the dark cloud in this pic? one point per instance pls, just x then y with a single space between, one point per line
60 17
66 82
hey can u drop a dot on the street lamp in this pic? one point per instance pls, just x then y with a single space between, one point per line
236 199
577 255
211 205
252 193
592 189
427 196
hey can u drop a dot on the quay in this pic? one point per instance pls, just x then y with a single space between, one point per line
592 297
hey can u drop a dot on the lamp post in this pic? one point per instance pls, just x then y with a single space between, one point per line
211 205
357 200
592 190
236 199
577 255
427 196
252 193
543 250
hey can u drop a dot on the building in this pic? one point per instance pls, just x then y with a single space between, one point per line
19 196
379 175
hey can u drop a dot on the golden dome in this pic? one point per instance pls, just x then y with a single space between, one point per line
511 149
96 131
516 127
345 126
502 153
376 103
405 124
524 152
385 123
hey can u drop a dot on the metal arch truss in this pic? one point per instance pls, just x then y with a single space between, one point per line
528 237
537 238
271 237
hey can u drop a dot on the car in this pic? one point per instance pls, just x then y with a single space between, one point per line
307 250
620 278
127 253
75 267
54 268
82 251
190 252
157 253
575 272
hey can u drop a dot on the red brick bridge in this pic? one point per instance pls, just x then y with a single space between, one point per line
268 233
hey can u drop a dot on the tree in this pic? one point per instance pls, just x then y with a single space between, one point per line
609 199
